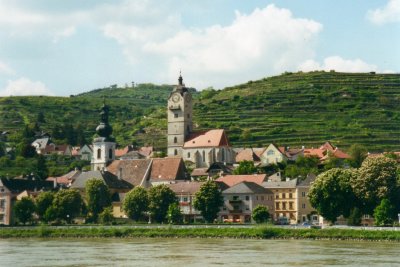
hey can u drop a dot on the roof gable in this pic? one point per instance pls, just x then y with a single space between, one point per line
167 169
132 171
231 180
211 138
247 188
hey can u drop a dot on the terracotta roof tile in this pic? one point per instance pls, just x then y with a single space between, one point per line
132 171
167 169
185 187
250 154
211 138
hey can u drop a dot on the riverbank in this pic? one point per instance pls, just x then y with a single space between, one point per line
259 232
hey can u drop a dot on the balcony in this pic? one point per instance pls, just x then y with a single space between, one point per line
174 107
235 201
235 211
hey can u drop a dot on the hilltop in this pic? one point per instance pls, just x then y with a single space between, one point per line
291 109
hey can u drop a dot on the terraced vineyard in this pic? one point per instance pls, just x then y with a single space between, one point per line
298 109
292 109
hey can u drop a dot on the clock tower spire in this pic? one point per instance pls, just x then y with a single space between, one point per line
179 118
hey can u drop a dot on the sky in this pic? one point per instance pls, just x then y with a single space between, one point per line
58 47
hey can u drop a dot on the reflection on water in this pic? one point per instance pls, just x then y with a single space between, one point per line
195 252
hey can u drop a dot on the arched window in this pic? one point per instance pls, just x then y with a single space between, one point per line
110 153
204 156
270 152
188 155
176 152
175 140
188 128
99 153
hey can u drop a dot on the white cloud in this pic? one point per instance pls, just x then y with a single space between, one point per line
387 14
68 31
5 69
338 64
23 87
267 41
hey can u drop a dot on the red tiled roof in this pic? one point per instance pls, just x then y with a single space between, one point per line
185 187
314 152
166 168
75 151
250 154
132 171
231 180
200 172
123 151
146 151
55 148
211 138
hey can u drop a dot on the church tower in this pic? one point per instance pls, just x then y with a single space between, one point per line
179 118
104 145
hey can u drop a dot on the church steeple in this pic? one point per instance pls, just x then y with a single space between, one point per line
104 145
180 79
104 129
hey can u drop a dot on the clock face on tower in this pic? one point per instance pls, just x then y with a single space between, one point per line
176 98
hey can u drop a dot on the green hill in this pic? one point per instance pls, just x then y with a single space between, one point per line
292 109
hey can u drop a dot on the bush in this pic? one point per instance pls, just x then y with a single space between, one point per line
260 214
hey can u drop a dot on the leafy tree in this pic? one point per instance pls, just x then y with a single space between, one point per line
40 117
331 194
208 200
41 170
136 202
384 213
24 210
245 167
43 203
355 217
160 197
106 216
24 149
174 214
375 180
67 204
97 196
260 214
358 153
2 149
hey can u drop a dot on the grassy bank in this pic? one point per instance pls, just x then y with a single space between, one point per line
261 232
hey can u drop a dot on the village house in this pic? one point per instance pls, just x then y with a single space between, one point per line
10 189
326 151
241 199
185 192
250 154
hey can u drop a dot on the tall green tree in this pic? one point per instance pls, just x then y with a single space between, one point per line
136 202
208 200
260 214
331 193
24 209
67 204
98 197
174 214
40 169
384 213
376 179
357 153
43 202
160 197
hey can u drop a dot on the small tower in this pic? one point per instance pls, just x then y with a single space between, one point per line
179 118
104 145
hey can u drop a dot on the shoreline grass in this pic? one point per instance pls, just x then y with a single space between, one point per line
261 232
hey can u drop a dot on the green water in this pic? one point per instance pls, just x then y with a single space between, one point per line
195 252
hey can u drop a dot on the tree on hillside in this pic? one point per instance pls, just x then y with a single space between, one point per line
354 217
376 179
160 197
24 209
136 202
245 167
384 213
358 153
43 202
40 169
97 197
208 201
331 193
260 214
67 204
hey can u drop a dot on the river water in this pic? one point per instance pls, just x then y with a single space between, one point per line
195 252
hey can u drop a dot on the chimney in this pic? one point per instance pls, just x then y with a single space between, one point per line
120 173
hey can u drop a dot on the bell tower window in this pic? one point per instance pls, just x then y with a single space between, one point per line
99 153
175 152
110 154
175 115
175 140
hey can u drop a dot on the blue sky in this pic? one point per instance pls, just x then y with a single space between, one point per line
55 47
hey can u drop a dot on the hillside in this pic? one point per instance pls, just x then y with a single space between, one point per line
292 109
